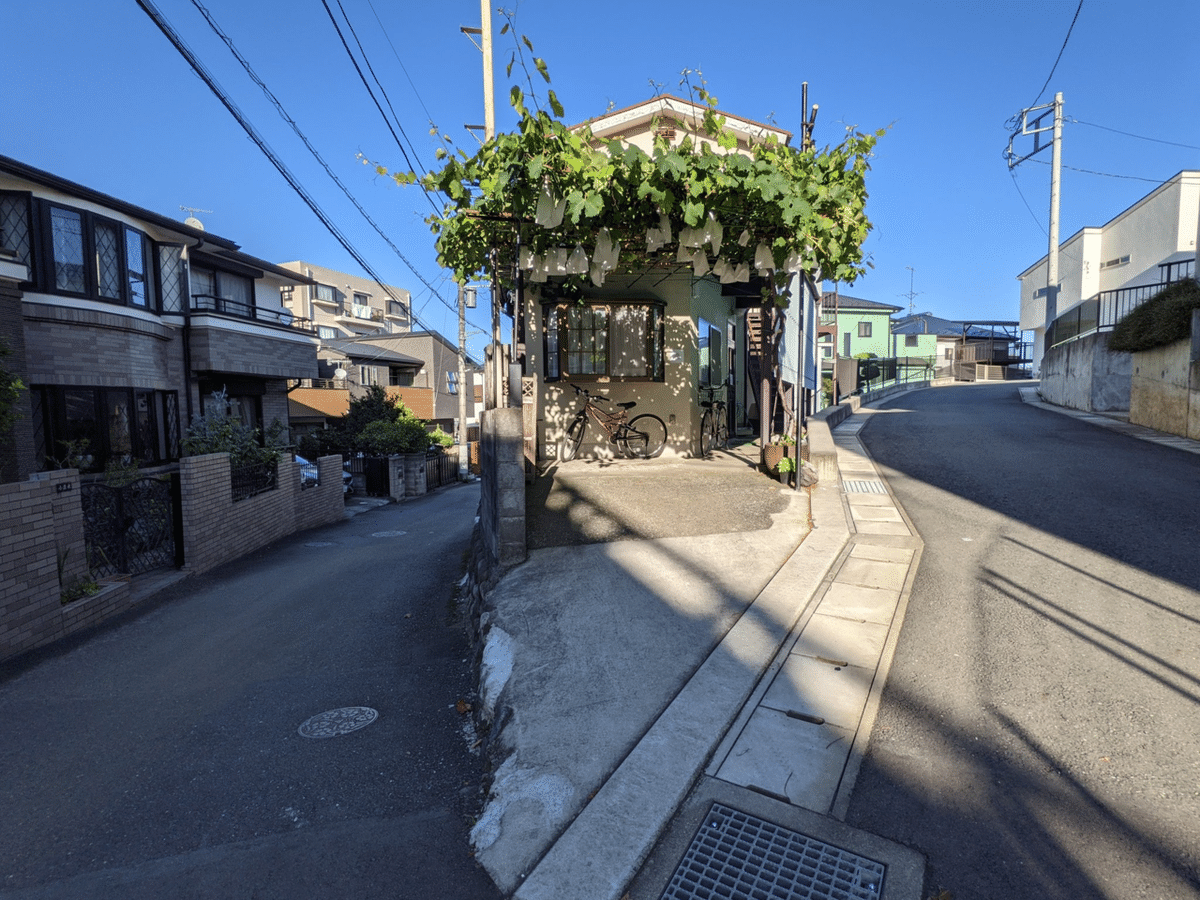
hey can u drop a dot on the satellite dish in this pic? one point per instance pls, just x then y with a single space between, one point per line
194 223
339 373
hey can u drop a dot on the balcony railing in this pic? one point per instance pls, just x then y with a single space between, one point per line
365 313
239 310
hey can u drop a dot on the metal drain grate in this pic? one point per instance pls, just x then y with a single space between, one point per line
338 721
736 856
864 487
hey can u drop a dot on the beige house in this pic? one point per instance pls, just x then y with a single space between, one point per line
339 305
652 338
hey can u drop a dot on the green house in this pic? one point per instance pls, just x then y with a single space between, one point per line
851 326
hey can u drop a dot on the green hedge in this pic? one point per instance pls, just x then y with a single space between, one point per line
1162 320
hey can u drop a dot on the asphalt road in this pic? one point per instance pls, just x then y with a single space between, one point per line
1039 735
160 757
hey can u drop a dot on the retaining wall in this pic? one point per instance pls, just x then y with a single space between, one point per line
1086 375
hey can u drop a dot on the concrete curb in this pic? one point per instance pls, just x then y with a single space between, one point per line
638 801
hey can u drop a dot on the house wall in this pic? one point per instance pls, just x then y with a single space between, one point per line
1085 374
1161 224
1165 389
81 342
673 400
879 342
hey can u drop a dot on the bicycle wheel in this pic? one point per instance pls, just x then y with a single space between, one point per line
708 432
572 438
644 436
721 431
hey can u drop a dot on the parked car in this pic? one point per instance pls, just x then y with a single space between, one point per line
310 476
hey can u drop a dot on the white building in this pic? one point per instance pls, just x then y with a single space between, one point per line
1118 265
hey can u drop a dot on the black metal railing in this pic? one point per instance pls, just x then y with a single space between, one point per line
250 479
1102 312
238 309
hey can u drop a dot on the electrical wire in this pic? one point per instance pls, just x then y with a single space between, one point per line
1026 202
184 50
366 59
417 93
366 84
311 149
1074 19
1105 174
1140 137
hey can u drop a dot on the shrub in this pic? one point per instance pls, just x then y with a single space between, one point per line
439 437
381 438
220 431
1162 320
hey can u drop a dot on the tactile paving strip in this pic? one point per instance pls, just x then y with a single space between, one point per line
736 856
864 487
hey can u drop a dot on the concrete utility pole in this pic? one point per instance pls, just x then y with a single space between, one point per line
463 461
1037 129
489 93
1052 256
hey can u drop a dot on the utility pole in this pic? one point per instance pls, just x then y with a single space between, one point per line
1052 255
1037 128
494 379
463 461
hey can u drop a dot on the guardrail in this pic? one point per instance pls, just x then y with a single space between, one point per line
236 308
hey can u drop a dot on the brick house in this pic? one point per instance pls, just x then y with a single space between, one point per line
130 320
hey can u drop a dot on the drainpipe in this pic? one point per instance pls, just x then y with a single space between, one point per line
186 276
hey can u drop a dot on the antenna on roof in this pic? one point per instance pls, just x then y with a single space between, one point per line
911 295
192 220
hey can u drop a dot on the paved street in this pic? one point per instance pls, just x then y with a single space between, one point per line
160 757
1037 736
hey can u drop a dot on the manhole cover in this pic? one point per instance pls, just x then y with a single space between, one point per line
864 487
739 855
319 544
338 721
389 534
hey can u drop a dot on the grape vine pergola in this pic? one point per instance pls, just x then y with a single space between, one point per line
550 202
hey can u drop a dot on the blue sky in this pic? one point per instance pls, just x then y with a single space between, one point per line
95 93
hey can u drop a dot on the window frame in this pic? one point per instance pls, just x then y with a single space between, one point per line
556 343
43 260
156 443
864 329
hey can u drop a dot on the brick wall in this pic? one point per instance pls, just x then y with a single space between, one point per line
216 530
40 522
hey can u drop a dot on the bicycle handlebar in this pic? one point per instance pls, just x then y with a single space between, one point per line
588 394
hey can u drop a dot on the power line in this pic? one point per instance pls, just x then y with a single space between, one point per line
383 30
1140 137
1059 57
311 149
1105 174
367 85
186 52
1026 202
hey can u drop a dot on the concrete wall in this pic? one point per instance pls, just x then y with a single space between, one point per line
1165 392
1085 375
502 500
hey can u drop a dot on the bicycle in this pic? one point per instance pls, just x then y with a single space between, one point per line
714 424
642 436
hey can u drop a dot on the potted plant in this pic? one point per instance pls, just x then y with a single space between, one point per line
786 466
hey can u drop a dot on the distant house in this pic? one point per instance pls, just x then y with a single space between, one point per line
854 326
130 321
428 383
655 337
1106 271
343 306
966 351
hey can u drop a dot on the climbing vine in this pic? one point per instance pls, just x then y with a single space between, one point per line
585 206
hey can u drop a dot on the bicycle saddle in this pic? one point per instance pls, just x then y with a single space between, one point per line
628 405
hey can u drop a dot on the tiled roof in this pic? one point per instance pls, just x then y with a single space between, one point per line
328 402
845 301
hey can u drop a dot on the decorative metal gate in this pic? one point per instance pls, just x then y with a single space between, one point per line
131 529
